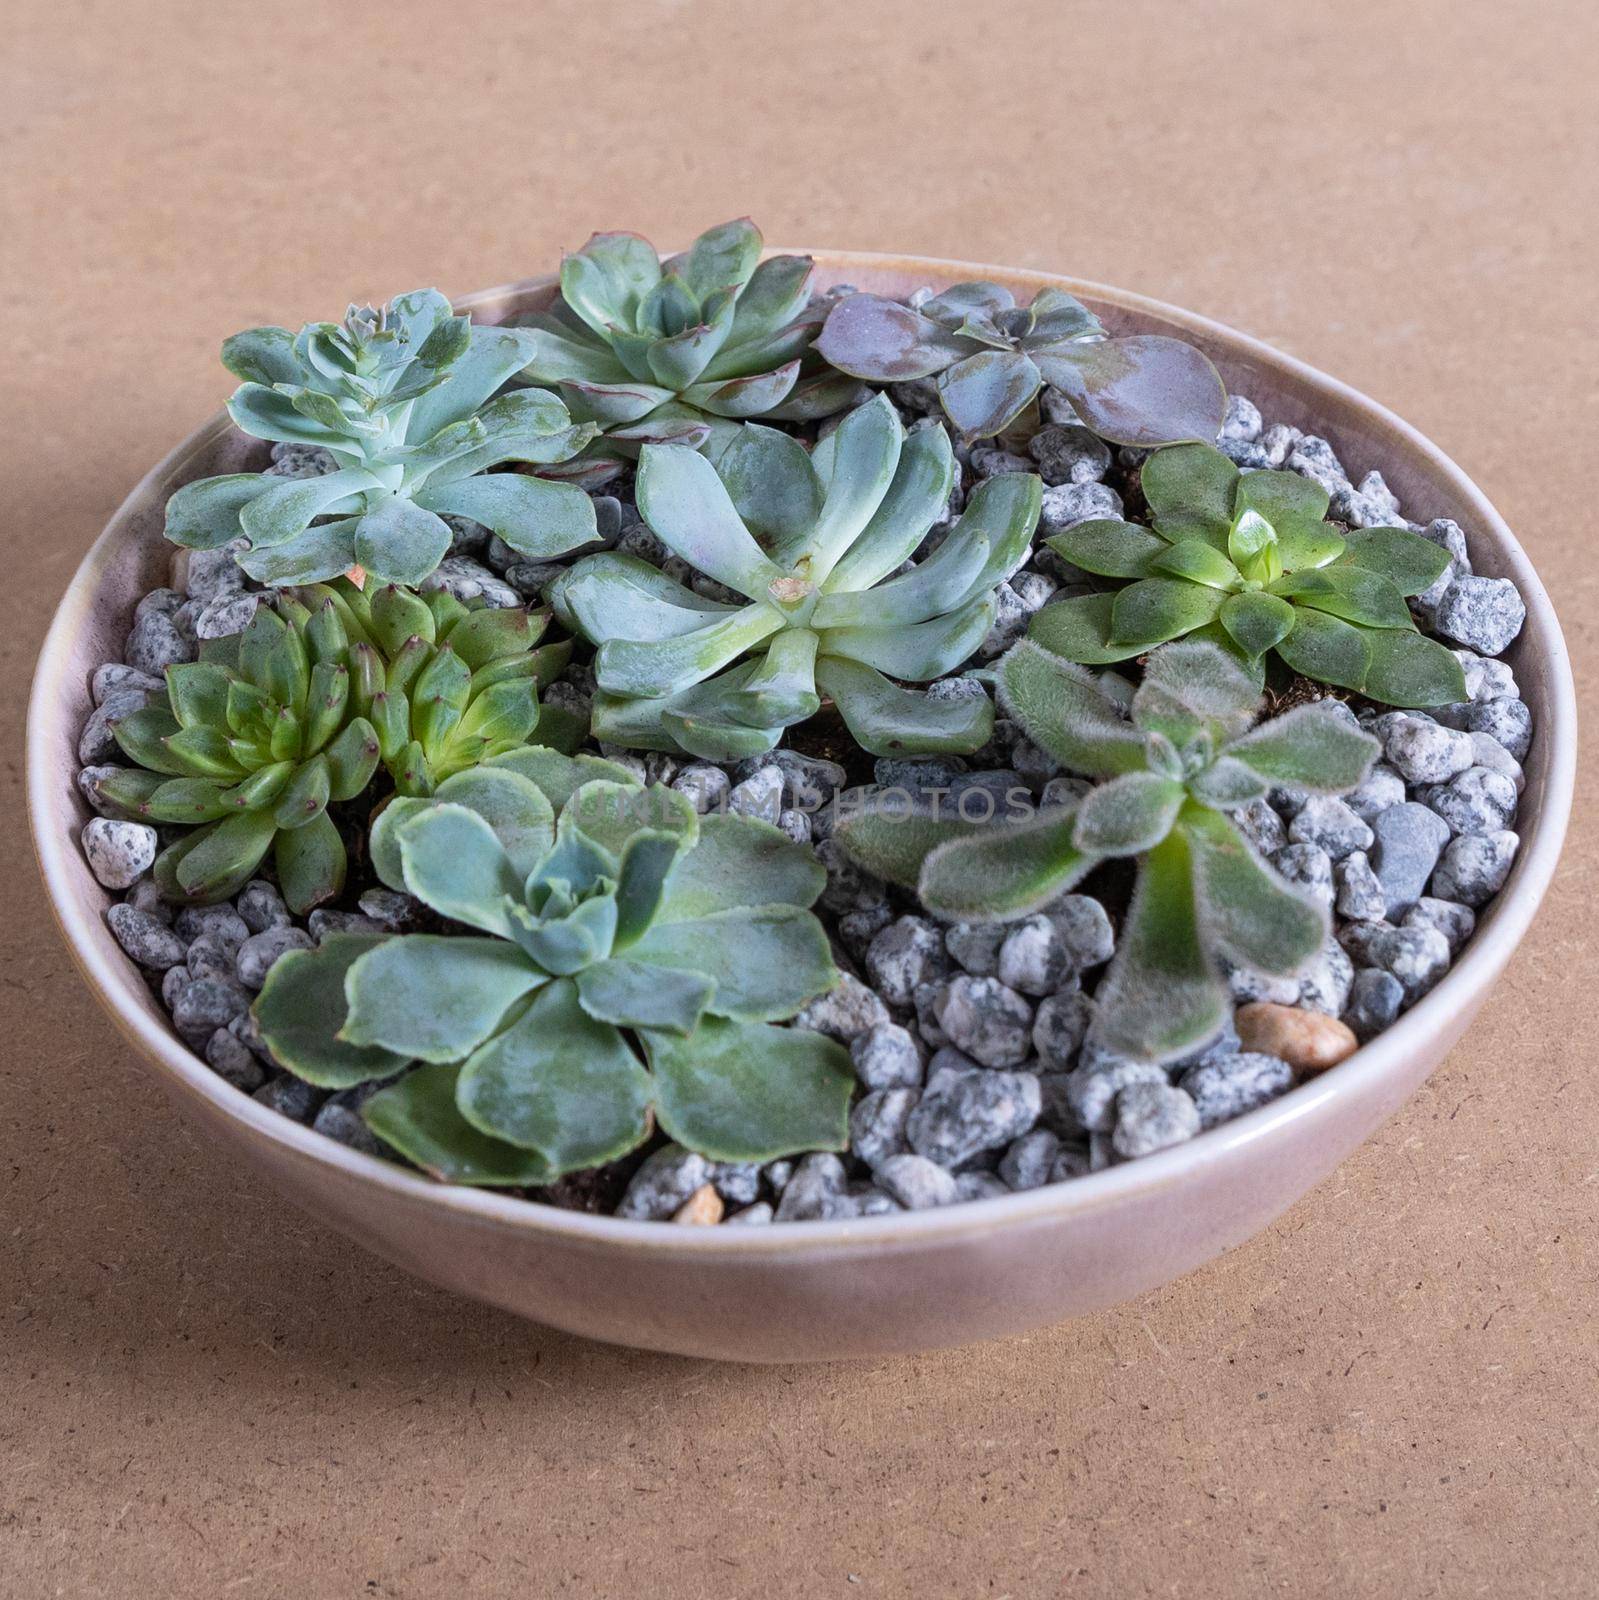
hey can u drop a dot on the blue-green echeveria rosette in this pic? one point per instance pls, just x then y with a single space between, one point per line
627 964
679 351
407 402
1172 768
991 357
815 543
1248 561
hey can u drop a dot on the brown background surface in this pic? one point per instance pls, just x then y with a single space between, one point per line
1393 1392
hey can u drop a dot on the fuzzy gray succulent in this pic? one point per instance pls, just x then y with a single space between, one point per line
1176 757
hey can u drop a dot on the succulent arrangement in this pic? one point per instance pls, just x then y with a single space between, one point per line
629 960
814 544
576 960
671 352
402 400
1177 755
1248 560
991 357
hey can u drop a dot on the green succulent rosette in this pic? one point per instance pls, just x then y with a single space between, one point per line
1247 560
404 400
655 352
814 542
627 964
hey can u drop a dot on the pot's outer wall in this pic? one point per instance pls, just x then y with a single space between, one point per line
818 1290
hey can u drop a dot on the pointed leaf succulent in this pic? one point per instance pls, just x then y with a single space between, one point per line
251 752
1246 559
403 401
446 685
991 357
627 963
816 545
660 352
1173 770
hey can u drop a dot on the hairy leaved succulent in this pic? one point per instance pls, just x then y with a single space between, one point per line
629 961
251 750
1247 558
1177 755
444 684
813 542
402 400
991 357
668 352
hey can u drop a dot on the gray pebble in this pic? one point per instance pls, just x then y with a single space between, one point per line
392 910
845 1011
706 786
975 946
206 1004
1011 617
1360 891
848 888
1073 1160
916 1183
663 1183
1507 720
877 1124
322 922
1067 504
173 982
210 956
759 796
755 1216
345 1125
857 929
1485 614
1329 823
1315 459
291 1097
1478 800
234 1061
1488 752
145 896
1309 867
1028 1162
1374 1001
815 1192
1474 868
987 1019
927 1002
887 1057
796 824
1084 928
1382 787
1243 422
1229 1085
738 1182
1059 1026
978 1185
112 678
222 920
1417 957
1487 678
261 951
144 938
1455 922
1069 454
119 853
260 906
156 644
291 460
89 779
1262 827
1409 840
964 1113
470 580
226 615
1324 985
1424 751
1151 1117
989 461
1034 958
906 954
1091 1088
1277 442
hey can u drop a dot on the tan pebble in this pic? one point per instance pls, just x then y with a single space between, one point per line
703 1207
1309 1041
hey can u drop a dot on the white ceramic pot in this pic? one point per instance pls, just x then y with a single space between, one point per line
817 1290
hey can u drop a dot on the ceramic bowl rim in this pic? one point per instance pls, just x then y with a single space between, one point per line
113 979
